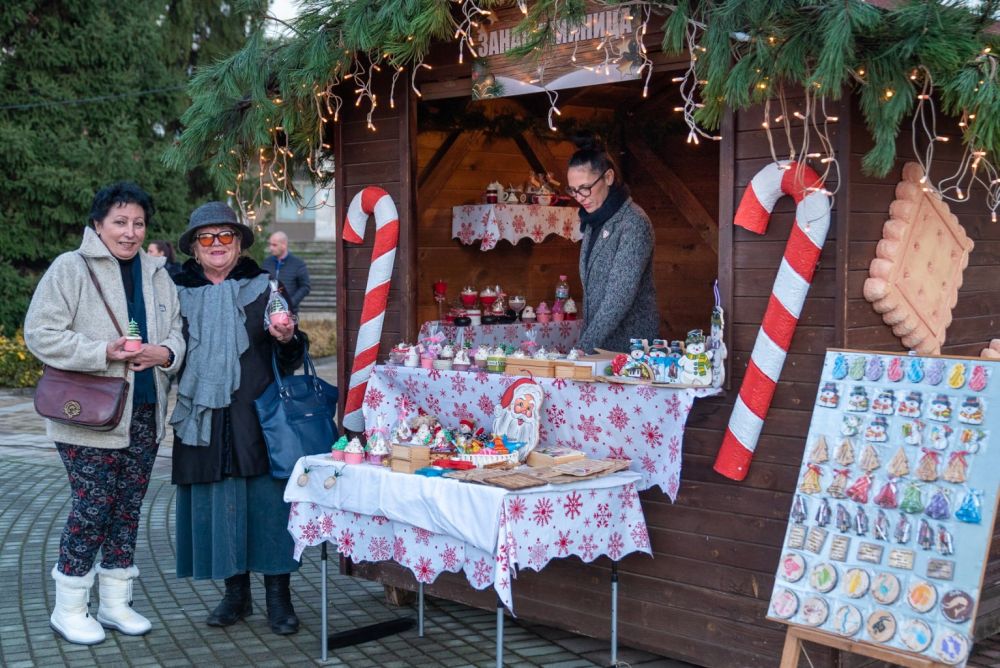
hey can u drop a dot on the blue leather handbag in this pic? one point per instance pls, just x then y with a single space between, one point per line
297 415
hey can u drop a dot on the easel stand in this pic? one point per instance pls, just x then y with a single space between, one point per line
796 635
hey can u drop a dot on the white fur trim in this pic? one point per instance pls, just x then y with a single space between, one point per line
119 573
80 581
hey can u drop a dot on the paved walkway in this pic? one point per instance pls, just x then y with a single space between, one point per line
34 502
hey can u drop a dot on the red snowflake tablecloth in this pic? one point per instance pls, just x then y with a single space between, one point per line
489 223
638 422
587 519
561 336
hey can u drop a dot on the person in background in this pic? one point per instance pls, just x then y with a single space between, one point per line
67 327
162 248
290 270
231 514
616 256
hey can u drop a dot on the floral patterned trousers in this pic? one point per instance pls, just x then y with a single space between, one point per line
107 488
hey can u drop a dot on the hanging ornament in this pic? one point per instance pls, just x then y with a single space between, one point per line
902 532
823 513
910 406
819 453
843 519
861 521
845 453
925 536
886 498
811 479
838 487
799 510
859 490
945 546
869 459
928 468
939 507
913 432
899 465
970 511
881 527
957 469
912 499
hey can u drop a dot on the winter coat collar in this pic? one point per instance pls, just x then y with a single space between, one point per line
192 275
93 247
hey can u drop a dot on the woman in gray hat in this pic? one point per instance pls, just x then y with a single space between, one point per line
231 516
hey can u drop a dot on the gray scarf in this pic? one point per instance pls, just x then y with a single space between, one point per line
217 336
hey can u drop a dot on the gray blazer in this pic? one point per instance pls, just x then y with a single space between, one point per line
619 297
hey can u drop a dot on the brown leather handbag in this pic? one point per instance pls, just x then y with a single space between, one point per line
81 399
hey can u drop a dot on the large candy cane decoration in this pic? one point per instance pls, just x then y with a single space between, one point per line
368 201
812 221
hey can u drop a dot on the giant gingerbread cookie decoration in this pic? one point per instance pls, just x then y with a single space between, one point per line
917 271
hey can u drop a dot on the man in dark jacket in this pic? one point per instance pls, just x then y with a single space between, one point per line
288 269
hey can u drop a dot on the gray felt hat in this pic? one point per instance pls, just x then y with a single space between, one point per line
214 213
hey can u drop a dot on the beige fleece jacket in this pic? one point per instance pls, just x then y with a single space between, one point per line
67 327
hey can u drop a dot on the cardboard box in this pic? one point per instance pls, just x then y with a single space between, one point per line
530 367
412 453
552 455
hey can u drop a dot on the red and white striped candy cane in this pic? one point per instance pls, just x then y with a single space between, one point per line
370 200
812 221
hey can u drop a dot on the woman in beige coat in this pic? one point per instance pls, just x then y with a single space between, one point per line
67 327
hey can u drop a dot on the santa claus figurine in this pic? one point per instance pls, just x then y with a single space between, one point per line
518 415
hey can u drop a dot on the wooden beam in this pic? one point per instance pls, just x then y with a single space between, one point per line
431 187
436 158
673 187
545 157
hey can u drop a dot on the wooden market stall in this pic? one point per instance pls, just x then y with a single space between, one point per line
704 596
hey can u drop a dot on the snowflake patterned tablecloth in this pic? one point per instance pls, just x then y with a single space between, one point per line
587 519
489 223
638 422
561 336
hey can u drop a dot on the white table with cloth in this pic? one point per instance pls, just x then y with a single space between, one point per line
489 223
561 336
643 423
432 525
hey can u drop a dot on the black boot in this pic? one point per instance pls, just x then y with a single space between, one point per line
235 605
280 613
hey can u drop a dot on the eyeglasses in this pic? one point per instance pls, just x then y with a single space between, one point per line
206 239
584 191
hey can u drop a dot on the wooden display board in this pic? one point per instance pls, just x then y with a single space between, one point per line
891 522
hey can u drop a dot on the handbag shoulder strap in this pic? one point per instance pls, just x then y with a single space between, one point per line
97 285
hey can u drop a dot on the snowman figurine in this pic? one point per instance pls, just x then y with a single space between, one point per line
696 363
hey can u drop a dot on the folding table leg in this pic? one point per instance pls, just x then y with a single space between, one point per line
499 633
614 613
420 609
323 635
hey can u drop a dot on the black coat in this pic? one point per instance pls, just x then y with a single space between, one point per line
293 274
237 447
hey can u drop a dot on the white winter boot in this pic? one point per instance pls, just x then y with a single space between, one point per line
71 617
116 610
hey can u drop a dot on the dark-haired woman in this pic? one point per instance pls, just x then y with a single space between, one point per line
68 327
163 248
616 258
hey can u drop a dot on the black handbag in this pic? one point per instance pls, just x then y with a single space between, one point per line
81 399
297 415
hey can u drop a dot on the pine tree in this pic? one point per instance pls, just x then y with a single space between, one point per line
60 148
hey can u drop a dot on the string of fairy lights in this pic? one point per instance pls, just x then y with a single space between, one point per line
799 132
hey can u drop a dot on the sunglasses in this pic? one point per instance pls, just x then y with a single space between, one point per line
207 239
584 191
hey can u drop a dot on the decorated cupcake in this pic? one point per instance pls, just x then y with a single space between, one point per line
528 315
482 354
558 314
354 453
378 451
544 314
569 308
461 361
497 361
412 358
448 352
337 450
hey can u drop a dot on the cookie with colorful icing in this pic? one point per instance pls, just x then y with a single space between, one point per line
792 567
909 406
957 606
814 611
956 378
823 577
885 588
858 399
895 372
977 382
784 603
884 402
829 395
940 409
847 620
971 411
856 582
874 368
881 626
921 596
916 634
913 432
877 430
952 648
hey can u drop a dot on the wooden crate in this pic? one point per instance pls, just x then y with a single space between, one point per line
530 367
573 371
412 453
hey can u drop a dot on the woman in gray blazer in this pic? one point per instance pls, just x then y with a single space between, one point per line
616 258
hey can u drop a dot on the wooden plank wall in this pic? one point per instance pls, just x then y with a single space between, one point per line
385 158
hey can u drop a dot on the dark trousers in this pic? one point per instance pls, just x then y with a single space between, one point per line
107 487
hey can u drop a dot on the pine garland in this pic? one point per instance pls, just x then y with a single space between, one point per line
265 96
